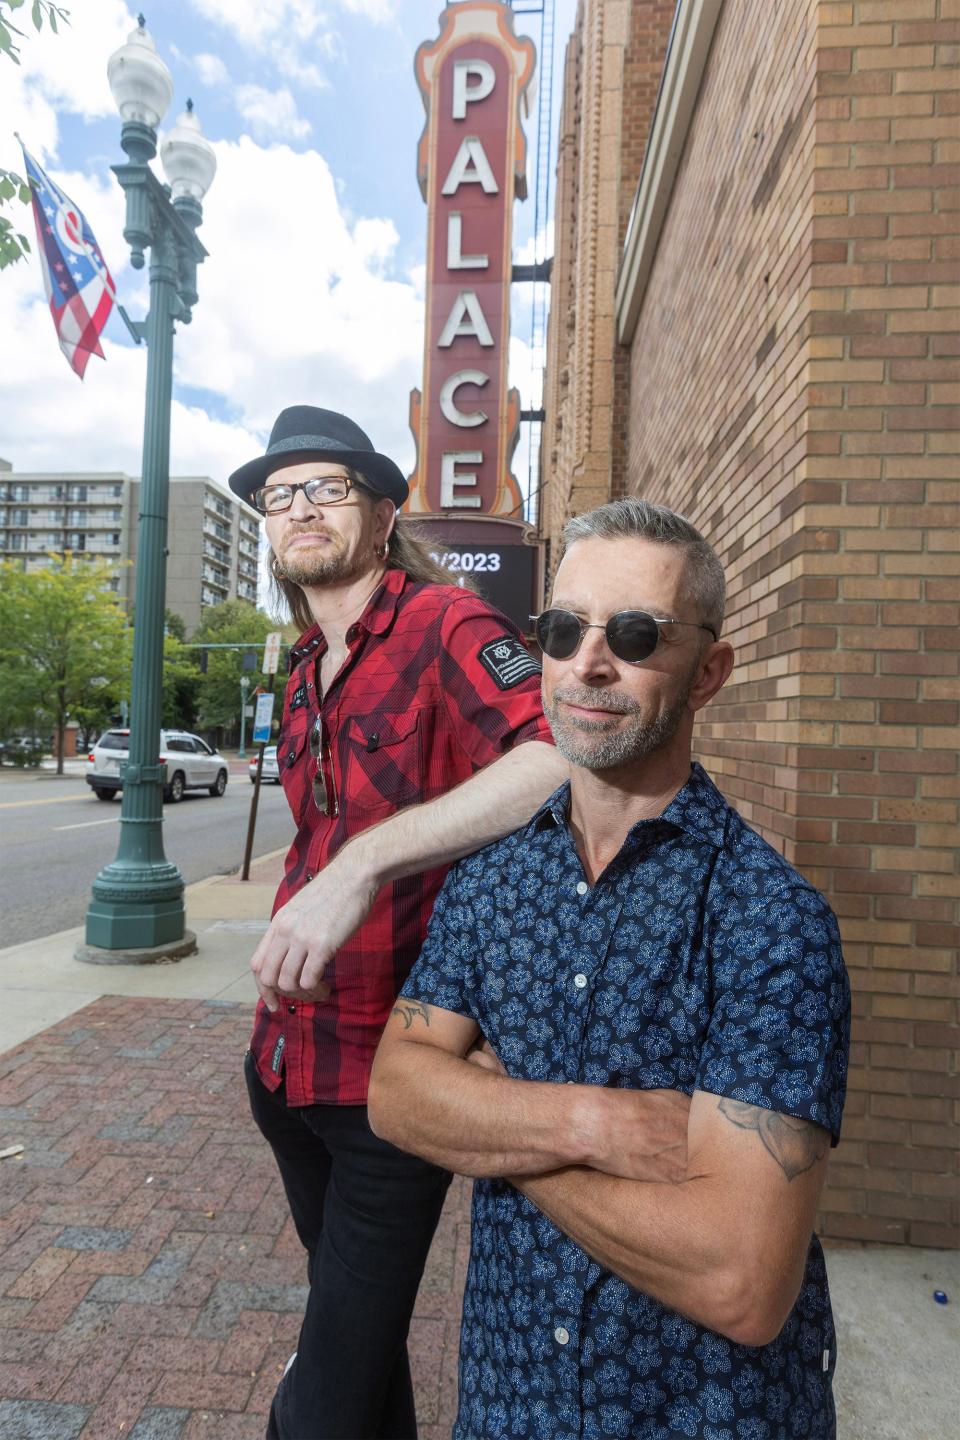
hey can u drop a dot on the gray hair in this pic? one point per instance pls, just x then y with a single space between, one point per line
634 519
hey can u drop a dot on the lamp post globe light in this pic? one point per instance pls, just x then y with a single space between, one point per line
137 901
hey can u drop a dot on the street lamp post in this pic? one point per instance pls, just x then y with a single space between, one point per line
244 687
137 900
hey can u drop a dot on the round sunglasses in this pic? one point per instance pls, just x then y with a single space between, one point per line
632 635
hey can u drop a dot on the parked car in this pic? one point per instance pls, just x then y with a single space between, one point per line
190 762
270 771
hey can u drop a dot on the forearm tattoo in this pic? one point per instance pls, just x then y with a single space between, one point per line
796 1145
411 1010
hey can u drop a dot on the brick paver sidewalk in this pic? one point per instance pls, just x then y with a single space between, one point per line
151 1284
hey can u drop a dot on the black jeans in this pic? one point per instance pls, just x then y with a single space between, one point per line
366 1213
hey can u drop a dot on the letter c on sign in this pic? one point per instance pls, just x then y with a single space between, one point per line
448 406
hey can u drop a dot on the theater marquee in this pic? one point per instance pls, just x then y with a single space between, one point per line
471 166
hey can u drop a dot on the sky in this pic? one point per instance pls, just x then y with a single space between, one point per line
315 227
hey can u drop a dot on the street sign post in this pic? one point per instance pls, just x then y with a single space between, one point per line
262 723
271 653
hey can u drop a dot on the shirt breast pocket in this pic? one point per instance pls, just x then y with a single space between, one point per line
383 761
290 748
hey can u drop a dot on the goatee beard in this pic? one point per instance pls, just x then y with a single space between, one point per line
318 567
585 742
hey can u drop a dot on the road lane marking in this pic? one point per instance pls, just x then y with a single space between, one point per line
85 824
50 800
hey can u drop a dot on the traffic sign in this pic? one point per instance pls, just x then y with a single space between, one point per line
263 719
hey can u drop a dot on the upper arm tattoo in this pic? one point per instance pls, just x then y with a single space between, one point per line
411 1010
796 1145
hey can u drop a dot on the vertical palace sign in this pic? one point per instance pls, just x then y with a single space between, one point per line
471 166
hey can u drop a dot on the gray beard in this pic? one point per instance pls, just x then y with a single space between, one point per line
586 742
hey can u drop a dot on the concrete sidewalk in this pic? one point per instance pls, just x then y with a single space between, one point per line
151 1285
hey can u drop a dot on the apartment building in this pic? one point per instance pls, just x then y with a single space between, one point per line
213 540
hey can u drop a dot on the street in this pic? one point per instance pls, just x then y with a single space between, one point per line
55 836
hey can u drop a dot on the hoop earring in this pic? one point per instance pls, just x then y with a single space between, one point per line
382 551
275 569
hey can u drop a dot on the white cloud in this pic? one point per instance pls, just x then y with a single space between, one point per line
293 35
271 114
381 12
376 241
290 62
211 69
296 307
57 73
319 322
252 22
301 301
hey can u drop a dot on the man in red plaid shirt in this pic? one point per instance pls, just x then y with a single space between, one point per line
401 687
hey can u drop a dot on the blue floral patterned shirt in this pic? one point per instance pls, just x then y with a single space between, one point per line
700 960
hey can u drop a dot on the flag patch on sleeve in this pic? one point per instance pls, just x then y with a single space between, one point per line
508 661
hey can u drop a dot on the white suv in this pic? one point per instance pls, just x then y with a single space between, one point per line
191 764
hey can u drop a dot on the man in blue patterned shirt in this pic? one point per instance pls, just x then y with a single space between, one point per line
630 1022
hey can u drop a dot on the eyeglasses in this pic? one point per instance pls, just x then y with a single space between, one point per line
632 635
322 490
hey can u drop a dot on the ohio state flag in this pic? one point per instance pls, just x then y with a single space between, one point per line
80 288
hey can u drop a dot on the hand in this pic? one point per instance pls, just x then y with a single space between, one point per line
307 932
637 1134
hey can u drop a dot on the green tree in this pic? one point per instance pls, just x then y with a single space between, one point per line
64 640
233 622
174 624
181 682
14 245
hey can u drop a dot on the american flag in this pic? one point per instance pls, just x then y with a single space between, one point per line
79 286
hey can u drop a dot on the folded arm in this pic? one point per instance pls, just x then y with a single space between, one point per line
727 1246
308 931
428 1098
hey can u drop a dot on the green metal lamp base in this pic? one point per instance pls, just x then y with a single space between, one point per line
136 906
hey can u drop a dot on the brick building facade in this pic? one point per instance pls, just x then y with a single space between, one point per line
756 259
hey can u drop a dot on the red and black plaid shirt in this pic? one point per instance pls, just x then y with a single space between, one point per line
436 685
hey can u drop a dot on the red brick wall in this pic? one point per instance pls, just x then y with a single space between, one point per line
792 390
611 78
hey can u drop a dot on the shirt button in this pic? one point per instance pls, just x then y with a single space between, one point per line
582 887
309 874
292 1009
580 981
561 1335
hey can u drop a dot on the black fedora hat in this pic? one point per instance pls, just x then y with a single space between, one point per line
302 432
